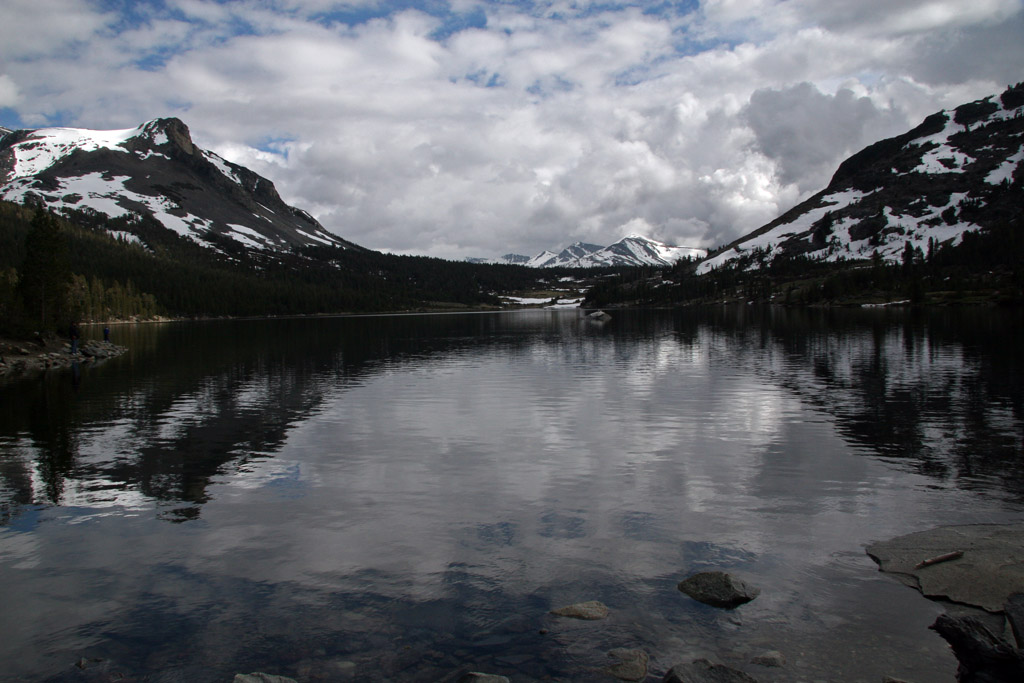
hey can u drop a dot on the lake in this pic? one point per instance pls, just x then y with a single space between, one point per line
405 498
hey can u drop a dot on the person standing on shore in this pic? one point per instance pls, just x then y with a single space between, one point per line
106 333
73 334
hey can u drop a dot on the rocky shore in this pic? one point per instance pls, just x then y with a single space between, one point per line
978 570
25 357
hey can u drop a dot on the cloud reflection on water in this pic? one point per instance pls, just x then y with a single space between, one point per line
461 467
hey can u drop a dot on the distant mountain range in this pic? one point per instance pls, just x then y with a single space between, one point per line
633 250
960 171
950 175
154 170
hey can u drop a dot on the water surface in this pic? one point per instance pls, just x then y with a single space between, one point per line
405 497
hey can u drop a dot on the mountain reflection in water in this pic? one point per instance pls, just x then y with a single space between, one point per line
405 497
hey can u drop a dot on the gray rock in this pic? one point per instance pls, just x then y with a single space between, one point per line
262 678
983 565
983 656
592 609
632 664
772 658
1014 608
477 677
703 671
718 589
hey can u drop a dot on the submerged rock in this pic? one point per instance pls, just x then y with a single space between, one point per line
262 678
978 564
592 609
719 589
703 671
477 677
772 658
632 664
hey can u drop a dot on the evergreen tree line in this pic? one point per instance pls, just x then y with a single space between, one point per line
54 269
43 294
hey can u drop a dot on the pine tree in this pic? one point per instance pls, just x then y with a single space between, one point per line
45 273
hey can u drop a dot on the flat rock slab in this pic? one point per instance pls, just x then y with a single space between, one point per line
718 589
978 564
593 609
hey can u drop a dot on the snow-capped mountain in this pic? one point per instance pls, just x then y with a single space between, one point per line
639 250
153 170
954 173
633 250
575 253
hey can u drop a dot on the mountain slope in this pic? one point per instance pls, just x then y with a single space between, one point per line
154 170
953 174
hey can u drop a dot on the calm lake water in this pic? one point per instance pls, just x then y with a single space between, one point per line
406 497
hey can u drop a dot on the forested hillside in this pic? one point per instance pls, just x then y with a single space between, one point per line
986 267
104 276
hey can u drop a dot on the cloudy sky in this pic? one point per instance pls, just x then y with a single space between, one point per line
475 128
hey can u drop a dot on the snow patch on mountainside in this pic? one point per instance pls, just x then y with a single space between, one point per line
248 236
543 258
223 167
1005 171
108 195
802 223
124 236
46 146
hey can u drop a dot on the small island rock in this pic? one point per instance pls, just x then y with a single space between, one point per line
703 671
719 589
592 609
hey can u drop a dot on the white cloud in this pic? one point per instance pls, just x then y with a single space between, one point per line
557 122
804 130
32 28
907 16
8 91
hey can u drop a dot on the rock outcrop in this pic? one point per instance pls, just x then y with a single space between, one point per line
719 589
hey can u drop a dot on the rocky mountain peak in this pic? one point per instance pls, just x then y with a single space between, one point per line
171 131
155 170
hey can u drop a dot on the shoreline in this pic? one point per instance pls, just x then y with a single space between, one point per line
23 358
